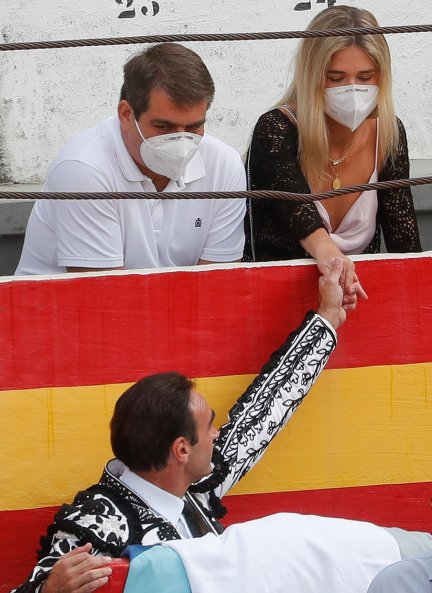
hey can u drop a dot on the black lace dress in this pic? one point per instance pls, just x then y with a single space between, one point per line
274 228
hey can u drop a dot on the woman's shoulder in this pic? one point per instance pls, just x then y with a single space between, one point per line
401 131
275 123
278 116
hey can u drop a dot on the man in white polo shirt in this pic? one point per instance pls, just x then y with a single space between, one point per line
155 143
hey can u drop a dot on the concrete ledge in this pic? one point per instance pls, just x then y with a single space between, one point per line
14 216
422 194
14 213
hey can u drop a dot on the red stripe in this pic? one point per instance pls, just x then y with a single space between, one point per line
83 331
20 532
401 505
117 580
396 505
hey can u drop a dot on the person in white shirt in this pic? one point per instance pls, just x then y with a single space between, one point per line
156 142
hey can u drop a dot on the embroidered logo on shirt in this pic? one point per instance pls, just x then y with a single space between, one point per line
198 222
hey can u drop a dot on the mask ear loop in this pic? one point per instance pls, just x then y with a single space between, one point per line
139 130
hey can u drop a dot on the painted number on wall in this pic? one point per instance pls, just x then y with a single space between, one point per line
148 8
308 5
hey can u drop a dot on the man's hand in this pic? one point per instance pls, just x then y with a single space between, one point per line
349 280
321 246
78 572
331 293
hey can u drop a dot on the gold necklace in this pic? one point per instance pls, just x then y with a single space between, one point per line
337 183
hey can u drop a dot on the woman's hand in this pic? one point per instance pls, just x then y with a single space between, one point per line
349 281
321 246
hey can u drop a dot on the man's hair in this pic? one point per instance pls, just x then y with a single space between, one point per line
175 69
147 419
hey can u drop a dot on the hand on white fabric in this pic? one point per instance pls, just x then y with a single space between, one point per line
331 293
78 572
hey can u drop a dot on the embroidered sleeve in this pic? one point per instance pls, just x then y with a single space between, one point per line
395 206
273 228
270 401
91 518
61 543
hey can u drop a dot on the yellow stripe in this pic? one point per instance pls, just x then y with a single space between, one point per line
358 427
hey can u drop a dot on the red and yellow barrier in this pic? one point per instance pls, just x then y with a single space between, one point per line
360 446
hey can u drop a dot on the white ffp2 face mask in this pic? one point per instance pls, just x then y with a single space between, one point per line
169 154
351 104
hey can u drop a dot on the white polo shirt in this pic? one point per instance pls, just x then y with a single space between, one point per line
133 233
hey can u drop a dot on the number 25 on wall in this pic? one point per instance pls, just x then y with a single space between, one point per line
130 12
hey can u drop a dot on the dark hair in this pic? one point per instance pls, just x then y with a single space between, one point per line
147 419
175 69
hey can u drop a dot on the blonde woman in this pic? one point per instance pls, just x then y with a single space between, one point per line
335 127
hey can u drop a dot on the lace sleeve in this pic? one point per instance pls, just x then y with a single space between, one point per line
274 228
396 212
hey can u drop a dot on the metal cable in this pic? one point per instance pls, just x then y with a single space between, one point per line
275 195
215 37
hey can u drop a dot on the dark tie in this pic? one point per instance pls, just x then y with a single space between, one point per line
195 521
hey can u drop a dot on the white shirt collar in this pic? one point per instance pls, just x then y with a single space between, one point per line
194 170
160 501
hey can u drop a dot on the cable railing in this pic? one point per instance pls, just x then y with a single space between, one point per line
187 37
212 195
216 37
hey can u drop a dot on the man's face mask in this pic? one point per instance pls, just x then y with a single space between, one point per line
169 154
350 105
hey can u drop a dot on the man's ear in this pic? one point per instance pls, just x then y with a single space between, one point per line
126 115
180 450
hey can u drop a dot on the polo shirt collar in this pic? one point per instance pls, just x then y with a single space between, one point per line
195 169
162 502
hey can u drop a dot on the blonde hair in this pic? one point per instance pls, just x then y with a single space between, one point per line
306 91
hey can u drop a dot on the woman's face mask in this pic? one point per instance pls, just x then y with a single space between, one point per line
169 154
351 104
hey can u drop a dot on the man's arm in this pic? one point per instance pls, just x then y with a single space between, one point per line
78 572
331 293
81 541
88 232
68 568
225 239
269 402
321 246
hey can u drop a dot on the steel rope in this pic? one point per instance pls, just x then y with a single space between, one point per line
214 37
275 195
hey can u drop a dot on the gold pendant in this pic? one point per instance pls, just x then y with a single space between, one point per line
337 183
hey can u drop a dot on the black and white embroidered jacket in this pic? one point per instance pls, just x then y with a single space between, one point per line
111 516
